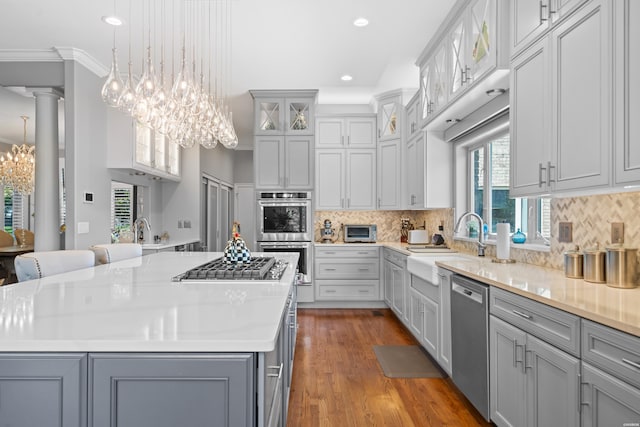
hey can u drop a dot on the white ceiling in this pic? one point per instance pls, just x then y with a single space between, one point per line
278 44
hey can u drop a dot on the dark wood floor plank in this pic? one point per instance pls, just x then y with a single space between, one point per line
337 380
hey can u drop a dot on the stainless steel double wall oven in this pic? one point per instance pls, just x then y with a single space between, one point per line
285 224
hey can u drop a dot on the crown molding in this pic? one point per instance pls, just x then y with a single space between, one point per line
55 54
83 58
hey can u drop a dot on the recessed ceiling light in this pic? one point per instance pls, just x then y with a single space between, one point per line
112 20
346 78
361 22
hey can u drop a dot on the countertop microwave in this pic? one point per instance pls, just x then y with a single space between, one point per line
360 233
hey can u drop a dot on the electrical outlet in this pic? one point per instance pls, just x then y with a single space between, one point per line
566 232
179 223
617 232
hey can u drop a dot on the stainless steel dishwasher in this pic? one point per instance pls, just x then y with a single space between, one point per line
470 340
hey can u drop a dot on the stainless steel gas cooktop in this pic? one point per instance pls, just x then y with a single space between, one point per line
259 268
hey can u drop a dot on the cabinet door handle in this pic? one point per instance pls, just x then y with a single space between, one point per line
349 140
549 167
279 368
330 291
521 314
363 291
542 19
631 363
329 269
540 169
466 74
522 362
342 203
362 253
363 269
329 253
348 202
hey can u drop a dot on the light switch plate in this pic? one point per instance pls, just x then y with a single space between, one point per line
617 232
565 234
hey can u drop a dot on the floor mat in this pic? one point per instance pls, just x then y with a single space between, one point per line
406 361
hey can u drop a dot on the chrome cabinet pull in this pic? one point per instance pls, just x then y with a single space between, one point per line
342 140
330 291
525 359
540 169
516 356
631 363
521 314
329 269
542 19
549 167
279 368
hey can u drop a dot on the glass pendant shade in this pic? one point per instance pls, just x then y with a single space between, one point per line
113 86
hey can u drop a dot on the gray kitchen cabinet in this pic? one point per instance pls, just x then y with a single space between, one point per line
542 343
627 90
158 390
565 97
532 383
351 131
347 273
391 114
444 336
390 175
425 313
428 172
607 400
138 149
345 179
532 18
433 84
610 376
41 389
395 281
413 115
289 112
283 162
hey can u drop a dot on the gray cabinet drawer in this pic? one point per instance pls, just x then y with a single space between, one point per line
347 269
395 257
612 351
338 252
554 326
428 289
366 290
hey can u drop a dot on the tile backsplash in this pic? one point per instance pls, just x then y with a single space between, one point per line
591 217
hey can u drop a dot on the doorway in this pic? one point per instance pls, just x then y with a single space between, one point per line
217 215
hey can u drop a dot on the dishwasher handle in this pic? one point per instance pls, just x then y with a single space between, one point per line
467 293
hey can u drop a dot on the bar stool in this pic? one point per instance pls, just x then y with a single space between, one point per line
112 252
36 265
6 239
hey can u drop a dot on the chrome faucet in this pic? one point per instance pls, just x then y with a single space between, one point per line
481 244
140 222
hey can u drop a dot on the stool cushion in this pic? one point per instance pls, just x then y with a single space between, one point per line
108 253
36 265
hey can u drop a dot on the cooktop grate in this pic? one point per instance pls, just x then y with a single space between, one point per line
259 268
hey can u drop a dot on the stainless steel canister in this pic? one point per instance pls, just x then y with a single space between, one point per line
622 266
573 264
594 265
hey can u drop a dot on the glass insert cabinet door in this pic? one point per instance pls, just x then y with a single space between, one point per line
269 115
388 114
279 116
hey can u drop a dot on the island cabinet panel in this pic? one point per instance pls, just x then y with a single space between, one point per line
156 390
40 389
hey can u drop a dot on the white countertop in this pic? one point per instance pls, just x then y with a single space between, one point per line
617 308
133 306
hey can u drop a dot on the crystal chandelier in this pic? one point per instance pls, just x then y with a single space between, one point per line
186 108
17 167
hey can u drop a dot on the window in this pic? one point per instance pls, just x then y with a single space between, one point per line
482 170
121 206
489 162
13 210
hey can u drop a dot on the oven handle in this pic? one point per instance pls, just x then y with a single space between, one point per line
285 204
291 245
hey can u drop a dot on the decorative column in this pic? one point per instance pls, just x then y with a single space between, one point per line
47 203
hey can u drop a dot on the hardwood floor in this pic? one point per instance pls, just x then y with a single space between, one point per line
337 381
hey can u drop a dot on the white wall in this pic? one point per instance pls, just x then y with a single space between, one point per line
86 157
243 166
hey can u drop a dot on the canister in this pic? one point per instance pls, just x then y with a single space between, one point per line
573 264
594 265
622 266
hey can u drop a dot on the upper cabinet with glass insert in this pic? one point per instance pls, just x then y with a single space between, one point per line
137 148
391 117
283 112
468 55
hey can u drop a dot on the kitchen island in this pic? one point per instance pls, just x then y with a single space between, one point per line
121 344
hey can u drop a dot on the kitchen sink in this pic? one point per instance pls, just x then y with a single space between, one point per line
431 250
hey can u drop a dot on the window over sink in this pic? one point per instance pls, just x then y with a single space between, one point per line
485 152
